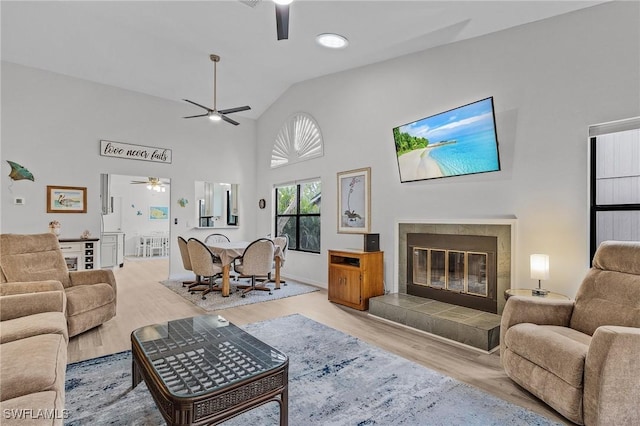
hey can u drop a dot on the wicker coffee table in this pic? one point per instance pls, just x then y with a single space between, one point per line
204 370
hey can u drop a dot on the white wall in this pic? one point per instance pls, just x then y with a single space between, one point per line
550 81
52 125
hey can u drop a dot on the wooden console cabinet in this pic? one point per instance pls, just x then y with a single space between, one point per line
355 276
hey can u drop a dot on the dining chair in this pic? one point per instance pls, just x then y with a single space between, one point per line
141 247
283 243
165 245
256 261
186 262
203 265
156 246
216 238
219 238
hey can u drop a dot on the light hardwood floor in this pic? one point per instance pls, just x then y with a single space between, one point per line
142 300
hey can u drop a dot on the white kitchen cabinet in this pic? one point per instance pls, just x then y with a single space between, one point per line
112 252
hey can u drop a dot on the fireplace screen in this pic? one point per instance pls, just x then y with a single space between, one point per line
453 270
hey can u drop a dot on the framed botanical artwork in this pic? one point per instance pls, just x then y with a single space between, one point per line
158 213
66 199
354 201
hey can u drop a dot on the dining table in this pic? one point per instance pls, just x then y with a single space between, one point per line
230 251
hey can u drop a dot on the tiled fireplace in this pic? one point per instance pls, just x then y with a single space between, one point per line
451 279
501 230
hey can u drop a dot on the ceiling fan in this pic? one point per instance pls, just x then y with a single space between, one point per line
282 15
282 18
153 184
215 114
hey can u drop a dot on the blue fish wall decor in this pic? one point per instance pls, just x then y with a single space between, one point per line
18 172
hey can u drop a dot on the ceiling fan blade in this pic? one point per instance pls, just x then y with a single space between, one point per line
194 116
232 110
228 120
282 21
196 104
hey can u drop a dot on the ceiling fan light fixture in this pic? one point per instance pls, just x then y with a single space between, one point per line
215 114
332 41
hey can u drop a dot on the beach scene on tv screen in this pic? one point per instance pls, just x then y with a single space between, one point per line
457 142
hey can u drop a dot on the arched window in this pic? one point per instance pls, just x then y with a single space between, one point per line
299 139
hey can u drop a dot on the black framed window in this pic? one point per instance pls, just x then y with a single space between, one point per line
298 214
614 187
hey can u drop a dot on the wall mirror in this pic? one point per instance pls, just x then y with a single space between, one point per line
217 205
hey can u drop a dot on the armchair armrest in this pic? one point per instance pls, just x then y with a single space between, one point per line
19 305
520 309
29 287
612 376
93 277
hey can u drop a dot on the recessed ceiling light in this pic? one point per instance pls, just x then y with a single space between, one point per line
332 41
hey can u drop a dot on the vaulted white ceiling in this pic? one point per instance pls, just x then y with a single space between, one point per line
162 48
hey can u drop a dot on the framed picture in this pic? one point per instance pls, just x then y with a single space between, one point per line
66 199
354 201
158 213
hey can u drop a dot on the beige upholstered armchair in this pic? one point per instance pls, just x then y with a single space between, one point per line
582 357
32 308
33 344
90 295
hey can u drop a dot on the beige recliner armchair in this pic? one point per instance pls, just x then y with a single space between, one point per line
91 295
582 357
33 345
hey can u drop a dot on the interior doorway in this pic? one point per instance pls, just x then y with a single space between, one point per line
135 219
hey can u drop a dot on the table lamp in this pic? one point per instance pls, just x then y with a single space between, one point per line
539 271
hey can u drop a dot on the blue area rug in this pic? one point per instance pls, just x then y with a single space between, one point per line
215 302
334 379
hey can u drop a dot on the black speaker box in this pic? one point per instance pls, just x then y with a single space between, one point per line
371 242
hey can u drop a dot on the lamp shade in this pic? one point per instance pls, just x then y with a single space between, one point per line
540 266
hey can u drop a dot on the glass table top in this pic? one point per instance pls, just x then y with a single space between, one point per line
193 356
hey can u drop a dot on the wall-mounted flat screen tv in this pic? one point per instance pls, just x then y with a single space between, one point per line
460 141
